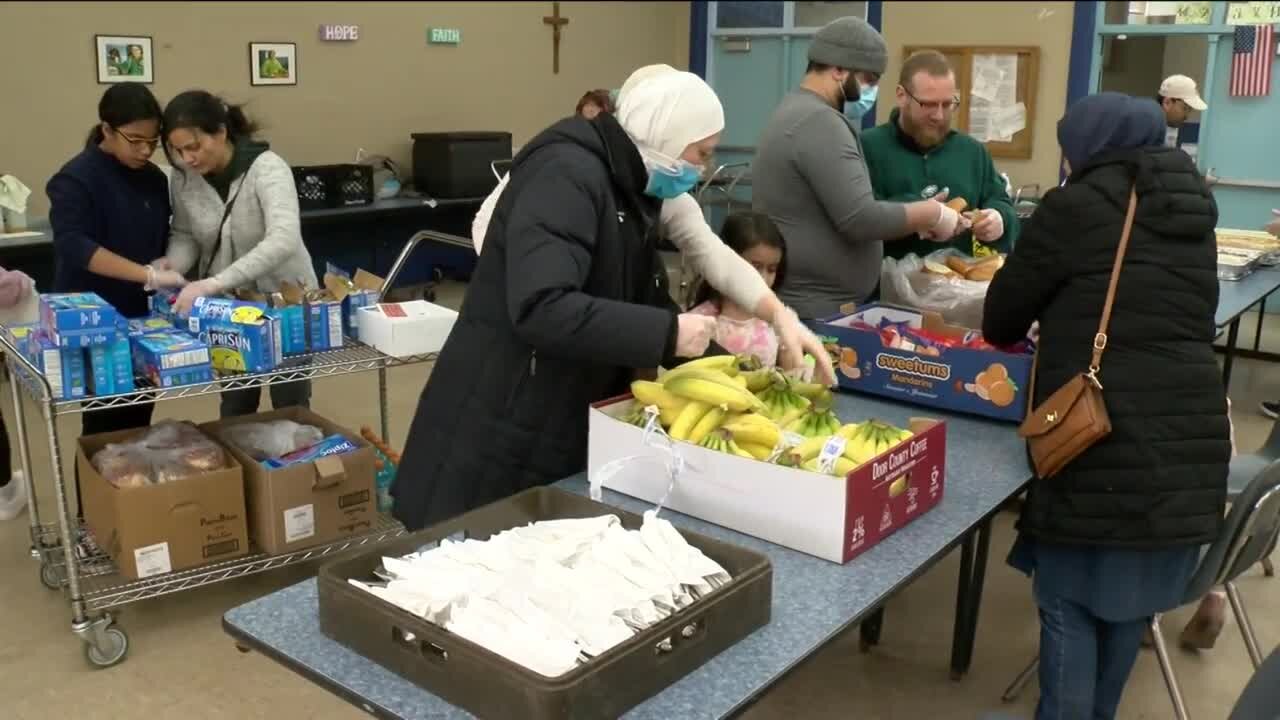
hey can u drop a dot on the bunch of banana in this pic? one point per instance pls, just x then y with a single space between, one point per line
711 387
841 467
697 421
727 364
807 454
755 433
759 379
669 405
871 439
722 441
782 404
637 416
814 423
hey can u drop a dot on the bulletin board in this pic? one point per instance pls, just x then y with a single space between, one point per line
1001 102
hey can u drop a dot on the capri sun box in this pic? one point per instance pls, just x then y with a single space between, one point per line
967 380
834 518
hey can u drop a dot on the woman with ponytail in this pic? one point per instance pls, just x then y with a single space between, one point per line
109 211
235 218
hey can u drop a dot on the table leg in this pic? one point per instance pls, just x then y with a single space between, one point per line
870 628
973 572
1228 353
1257 332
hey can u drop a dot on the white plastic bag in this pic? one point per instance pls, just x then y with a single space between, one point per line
905 282
277 438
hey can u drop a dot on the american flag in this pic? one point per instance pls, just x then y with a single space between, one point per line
1251 61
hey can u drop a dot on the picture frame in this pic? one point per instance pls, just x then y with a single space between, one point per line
273 63
124 58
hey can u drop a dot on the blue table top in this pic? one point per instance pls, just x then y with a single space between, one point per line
813 599
1237 296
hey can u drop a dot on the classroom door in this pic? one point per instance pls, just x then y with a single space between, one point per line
1240 148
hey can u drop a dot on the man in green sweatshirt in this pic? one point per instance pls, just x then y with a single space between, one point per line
917 154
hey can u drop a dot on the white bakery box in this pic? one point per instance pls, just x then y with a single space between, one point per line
832 518
401 329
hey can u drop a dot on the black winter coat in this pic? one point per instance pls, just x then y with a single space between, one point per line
1159 479
565 302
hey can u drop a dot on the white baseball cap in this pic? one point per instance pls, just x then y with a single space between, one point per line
1181 87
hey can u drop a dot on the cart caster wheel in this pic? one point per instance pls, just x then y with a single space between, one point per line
117 646
49 577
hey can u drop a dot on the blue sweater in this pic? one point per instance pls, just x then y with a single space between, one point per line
95 201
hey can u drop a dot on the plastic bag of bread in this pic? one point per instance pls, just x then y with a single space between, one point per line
165 452
124 465
946 282
272 439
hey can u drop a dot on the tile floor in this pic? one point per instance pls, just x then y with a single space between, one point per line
181 665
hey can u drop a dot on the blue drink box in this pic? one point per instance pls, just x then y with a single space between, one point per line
986 382
148 324
242 336
111 366
362 291
64 368
78 320
171 357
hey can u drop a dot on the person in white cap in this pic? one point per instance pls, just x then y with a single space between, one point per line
1178 97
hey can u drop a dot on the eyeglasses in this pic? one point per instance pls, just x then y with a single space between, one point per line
945 106
138 142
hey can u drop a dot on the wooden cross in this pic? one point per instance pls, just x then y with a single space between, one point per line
556 22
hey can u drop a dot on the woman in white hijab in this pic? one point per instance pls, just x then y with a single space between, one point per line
683 223
565 303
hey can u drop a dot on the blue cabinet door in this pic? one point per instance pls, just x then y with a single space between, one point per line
1239 144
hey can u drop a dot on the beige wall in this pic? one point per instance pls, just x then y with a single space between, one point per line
1043 24
372 93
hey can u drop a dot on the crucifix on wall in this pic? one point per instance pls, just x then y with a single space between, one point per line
556 22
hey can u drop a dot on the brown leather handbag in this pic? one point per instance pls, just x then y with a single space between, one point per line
1075 416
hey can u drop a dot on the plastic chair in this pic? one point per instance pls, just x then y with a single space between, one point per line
1249 533
1261 697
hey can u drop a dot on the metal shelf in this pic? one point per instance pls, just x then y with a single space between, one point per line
354 357
103 587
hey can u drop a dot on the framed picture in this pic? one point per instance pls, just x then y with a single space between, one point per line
273 63
123 58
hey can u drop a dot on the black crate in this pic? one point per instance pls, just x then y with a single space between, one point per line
333 186
490 686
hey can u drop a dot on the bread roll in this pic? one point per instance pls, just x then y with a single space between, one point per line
983 272
958 204
958 265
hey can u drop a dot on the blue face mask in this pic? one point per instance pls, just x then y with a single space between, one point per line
856 109
666 184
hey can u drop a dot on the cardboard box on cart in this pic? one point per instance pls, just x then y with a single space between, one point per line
155 529
984 382
834 518
309 503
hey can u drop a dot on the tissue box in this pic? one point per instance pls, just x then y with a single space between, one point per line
78 319
240 335
64 368
171 357
111 367
409 328
361 291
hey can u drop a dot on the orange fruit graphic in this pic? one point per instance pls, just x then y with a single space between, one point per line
1001 393
998 372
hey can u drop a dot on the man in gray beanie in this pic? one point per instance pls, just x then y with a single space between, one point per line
809 176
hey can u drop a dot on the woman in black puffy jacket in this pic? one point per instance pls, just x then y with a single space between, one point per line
1115 536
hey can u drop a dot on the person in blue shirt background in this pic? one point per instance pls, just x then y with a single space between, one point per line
109 212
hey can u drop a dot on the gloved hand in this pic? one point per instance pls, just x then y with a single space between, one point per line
694 334
988 225
163 278
199 288
162 263
1273 227
14 286
950 223
794 340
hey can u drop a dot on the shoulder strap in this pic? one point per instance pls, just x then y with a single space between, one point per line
1100 340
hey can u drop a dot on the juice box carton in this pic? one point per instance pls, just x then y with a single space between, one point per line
19 336
162 302
241 336
170 358
111 366
78 319
363 290
148 324
324 321
64 368
289 315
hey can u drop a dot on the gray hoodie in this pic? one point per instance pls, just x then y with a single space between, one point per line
261 238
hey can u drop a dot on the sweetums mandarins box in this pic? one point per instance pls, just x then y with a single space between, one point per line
915 357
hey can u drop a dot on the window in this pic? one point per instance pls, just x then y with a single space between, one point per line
749 15
817 14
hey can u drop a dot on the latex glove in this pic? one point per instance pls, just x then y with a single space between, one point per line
694 334
15 285
950 223
199 288
1273 227
988 225
1034 333
794 340
162 263
163 278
